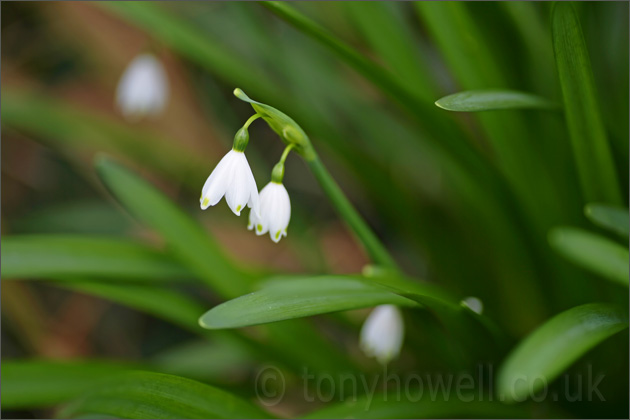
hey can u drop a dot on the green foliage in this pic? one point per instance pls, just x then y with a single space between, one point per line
139 395
593 252
40 383
187 240
489 100
41 256
554 346
440 205
608 217
296 298
588 134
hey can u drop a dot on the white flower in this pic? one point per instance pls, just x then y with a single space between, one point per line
382 333
473 303
143 87
233 178
275 212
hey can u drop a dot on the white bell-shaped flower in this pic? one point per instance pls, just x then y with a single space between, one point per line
473 303
233 178
382 333
143 88
275 212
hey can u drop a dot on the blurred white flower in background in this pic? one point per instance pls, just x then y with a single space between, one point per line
275 212
143 88
382 333
474 304
233 178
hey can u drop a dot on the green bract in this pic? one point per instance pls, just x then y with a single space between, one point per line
288 130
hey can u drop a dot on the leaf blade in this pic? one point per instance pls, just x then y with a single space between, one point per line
593 252
608 217
296 298
189 242
555 345
492 99
586 128
31 256
140 394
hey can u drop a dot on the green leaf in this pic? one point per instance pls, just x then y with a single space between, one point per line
608 217
42 256
147 395
296 298
492 99
593 252
42 383
161 302
555 345
190 242
66 127
418 404
586 128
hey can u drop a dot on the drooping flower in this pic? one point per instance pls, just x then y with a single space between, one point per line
233 178
473 303
382 333
143 88
275 212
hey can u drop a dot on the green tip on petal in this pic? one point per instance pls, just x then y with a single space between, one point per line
259 228
239 207
206 201
278 234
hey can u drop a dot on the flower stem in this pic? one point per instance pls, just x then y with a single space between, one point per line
251 120
349 214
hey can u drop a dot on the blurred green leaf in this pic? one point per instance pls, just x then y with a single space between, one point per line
554 346
593 252
608 217
217 360
296 298
67 127
586 128
42 256
97 217
42 383
161 302
419 404
144 395
190 242
492 99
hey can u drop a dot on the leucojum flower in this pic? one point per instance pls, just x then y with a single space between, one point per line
233 178
275 206
143 88
382 333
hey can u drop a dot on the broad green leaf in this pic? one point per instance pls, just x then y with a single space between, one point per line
296 298
554 346
190 242
147 395
593 252
43 383
591 150
608 217
42 256
492 99
419 403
